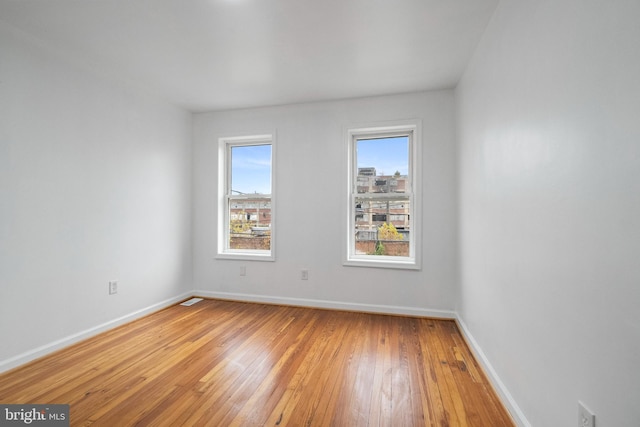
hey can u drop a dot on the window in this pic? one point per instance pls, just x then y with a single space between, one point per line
245 197
383 197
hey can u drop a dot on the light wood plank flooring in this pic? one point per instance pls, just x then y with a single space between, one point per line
221 363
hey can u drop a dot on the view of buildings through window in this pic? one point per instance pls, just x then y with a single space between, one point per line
382 201
249 197
381 196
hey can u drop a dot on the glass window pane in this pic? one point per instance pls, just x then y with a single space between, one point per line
382 165
251 169
250 224
382 227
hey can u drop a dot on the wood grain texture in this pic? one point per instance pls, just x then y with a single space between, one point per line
221 363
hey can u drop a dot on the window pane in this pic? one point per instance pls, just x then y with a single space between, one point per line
251 169
250 224
382 165
382 227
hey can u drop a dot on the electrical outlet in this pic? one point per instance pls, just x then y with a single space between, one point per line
243 270
113 287
585 416
304 275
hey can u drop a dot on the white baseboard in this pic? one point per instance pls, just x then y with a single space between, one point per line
333 305
498 385
43 350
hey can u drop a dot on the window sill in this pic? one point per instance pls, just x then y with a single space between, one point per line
248 256
382 262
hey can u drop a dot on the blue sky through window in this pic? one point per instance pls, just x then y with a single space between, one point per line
251 169
387 155
251 164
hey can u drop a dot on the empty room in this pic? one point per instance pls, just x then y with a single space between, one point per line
324 213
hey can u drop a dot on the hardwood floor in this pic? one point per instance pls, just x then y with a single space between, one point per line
220 363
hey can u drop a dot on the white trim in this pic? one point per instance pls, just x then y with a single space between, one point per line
382 262
46 349
506 397
256 255
333 305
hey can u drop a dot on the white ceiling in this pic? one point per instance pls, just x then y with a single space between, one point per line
221 54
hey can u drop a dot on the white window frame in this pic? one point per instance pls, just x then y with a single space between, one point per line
225 197
412 129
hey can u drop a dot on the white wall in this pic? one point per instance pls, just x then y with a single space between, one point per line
310 175
94 186
549 131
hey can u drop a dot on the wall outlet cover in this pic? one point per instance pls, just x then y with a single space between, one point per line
586 418
113 287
